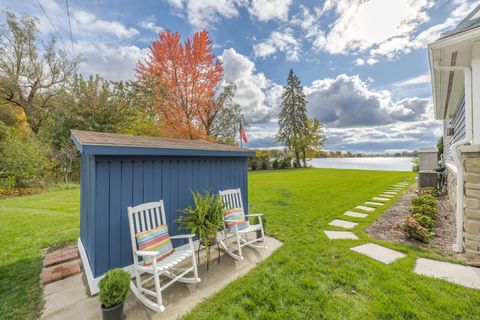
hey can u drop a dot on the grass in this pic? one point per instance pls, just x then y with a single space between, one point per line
309 277
29 224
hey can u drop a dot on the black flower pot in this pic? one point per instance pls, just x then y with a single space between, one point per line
113 313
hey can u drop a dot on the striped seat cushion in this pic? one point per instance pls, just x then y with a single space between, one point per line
236 217
156 239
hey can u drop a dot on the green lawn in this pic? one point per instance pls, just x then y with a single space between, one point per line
309 277
29 224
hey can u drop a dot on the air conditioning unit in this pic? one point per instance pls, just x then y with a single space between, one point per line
427 178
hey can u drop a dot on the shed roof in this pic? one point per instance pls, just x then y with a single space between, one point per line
101 143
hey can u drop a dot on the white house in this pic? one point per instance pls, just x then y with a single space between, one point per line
455 74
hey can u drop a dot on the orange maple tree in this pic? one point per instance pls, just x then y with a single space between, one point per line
187 75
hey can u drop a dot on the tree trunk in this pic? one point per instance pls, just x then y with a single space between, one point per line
304 158
297 159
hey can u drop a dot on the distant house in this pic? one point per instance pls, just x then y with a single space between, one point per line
455 73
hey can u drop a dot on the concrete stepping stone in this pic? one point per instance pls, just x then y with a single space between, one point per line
386 195
365 208
333 235
390 192
371 203
380 199
463 275
343 224
378 253
355 214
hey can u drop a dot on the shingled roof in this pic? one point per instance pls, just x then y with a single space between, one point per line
91 138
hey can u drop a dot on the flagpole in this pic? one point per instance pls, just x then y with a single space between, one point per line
240 134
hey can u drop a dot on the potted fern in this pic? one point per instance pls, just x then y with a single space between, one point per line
204 219
113 290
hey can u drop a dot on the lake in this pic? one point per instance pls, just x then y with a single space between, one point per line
376 163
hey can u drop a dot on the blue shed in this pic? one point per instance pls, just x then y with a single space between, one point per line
118 171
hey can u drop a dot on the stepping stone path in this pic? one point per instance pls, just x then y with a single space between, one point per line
380 199
365 208
390 192
378 253
333 235
343 224
462 275
355 214
386 195
374 203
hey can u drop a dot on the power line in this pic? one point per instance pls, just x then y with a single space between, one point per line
51 22
69 25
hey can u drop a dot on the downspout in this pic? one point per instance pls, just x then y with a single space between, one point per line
458 246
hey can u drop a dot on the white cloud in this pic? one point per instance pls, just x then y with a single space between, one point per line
357 26
347 101
149 24
112 63
87 21
266 10
282 41
205 13
359 62
421 79
257 95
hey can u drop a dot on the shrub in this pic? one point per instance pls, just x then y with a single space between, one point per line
414 230
425 210
428 191
424 200
276 164
424 221
286 163
265 162
23 160
114 287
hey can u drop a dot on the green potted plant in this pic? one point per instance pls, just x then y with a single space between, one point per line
204 219
113 290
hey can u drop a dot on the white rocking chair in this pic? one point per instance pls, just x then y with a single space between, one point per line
146 217
231 199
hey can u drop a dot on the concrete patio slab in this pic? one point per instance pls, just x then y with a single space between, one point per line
378 253
355 214
463 275
371 203
380 199
68 298
334 235
390 192
342 224
364 208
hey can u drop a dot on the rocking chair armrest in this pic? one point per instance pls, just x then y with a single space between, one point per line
183 236
146 253
254 215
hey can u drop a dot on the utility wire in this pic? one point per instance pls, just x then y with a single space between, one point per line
51 22
69 25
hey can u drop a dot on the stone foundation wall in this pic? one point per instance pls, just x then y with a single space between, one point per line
471 217
451 186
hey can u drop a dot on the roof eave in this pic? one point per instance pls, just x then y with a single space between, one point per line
155 151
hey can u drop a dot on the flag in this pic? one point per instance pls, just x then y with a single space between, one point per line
243 135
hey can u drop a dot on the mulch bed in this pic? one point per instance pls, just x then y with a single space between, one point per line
387 227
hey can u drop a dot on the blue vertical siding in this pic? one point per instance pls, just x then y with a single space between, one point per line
115 182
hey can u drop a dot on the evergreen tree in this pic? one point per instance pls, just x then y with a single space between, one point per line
292 120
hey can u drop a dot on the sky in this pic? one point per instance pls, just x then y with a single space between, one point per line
363 64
